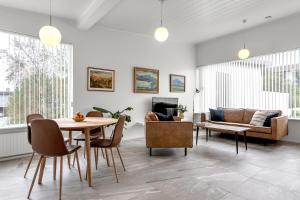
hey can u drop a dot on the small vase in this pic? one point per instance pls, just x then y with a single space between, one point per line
181 115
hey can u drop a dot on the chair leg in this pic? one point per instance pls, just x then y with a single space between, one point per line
61 176
30 161
78 166
43 164
121 159
54 167
74 154
103 155
112 156
107 158
34 177
96 157
69 161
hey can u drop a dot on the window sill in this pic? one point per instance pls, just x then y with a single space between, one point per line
293 119
12 129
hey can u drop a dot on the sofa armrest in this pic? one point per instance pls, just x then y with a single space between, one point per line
160 134
279 127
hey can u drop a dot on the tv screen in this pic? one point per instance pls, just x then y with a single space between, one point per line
165 105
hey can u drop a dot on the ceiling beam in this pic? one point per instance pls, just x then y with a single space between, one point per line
94 12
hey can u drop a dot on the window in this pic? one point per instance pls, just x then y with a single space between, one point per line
34 79
263 82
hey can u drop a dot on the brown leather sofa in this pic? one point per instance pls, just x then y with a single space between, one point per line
168 134
242 117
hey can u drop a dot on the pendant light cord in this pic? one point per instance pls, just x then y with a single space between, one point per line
161 12
50 13
244 22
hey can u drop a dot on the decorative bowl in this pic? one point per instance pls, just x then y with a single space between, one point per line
78 119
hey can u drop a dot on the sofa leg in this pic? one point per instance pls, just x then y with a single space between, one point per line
185 151
150 151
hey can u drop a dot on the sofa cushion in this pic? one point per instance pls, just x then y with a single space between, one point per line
259 118
270 115
216 115
233 115
248 114
163 117
260 129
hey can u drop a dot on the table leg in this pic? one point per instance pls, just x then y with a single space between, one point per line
206 135
237 143
70 137
197 135
88 156
245 139
209 133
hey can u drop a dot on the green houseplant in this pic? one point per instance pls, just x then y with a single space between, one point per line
116 114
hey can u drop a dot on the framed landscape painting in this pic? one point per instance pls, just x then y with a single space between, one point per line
146 80
177 83
101 79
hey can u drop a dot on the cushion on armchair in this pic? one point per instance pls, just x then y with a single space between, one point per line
163 117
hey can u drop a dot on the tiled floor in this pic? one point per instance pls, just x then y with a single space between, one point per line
210 171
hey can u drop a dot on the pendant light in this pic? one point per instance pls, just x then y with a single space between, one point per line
161 33
244 53
50 35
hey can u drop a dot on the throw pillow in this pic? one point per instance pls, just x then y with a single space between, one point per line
258 118
270 115
163 117
216 115
152 116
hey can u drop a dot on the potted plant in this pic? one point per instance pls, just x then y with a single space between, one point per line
116 114
181 109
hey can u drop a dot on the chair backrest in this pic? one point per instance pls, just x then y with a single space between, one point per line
118 131
94 114
46 138
29 118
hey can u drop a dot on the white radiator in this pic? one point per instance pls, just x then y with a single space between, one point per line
14 144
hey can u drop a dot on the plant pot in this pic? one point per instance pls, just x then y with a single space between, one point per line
181 115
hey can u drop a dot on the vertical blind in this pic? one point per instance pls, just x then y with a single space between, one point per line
34 79
263 82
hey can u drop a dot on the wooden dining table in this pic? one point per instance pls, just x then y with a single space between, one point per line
85 126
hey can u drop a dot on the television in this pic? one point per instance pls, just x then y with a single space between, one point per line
165 105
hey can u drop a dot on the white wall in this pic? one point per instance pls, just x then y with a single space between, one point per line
105 48
275 36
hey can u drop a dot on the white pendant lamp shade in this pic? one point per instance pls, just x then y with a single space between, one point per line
49 35
244 54
161 34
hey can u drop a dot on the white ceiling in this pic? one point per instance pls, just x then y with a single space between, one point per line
189 21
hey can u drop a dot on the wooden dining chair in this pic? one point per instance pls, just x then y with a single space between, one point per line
47 140
94 134
113 142
29 119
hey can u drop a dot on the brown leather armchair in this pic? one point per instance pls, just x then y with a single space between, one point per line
168 134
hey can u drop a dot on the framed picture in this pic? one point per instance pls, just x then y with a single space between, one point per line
100 79
146 80
177 83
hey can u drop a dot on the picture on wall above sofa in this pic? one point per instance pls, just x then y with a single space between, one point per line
177 83
146 80
100 79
